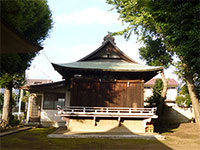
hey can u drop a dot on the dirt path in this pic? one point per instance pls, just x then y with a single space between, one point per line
185 137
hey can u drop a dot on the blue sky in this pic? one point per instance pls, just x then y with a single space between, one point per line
79 29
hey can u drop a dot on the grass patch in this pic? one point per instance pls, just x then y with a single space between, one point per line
37 139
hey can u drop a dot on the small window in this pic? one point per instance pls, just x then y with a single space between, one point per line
147 87
37 82
60 102
51 100
171 88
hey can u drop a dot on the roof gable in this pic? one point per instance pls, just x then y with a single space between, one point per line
108 52
171 82
108 60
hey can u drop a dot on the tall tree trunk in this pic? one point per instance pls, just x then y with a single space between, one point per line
6 107
163 96
165 82
193 97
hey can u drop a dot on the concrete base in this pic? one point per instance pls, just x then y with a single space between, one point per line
87 126
121 133
103 136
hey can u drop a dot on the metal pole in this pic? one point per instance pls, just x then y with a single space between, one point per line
20 102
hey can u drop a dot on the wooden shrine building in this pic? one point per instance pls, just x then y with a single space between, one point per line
104 84
107 78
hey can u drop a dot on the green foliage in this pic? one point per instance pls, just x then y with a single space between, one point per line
183 101
180 100
197 86
172 21
31 18
184 98
157 89
12 102
13 68
155 53
26 96
13 121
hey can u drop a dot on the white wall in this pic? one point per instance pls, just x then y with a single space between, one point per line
147 92
171 93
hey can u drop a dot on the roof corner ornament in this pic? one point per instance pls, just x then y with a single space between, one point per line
109 37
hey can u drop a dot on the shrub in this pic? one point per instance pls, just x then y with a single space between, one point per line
14 121
183 101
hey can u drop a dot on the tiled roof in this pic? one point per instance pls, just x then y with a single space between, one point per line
171 82
108 58
110 66
35 82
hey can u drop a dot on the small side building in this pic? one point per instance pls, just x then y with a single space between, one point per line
34 115
102 91
172 90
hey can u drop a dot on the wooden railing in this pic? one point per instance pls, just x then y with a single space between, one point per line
80 111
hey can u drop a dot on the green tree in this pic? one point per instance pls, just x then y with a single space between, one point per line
175 23
32 19
184 98
157 90
155 54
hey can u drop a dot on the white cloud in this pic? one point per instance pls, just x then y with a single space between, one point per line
88 16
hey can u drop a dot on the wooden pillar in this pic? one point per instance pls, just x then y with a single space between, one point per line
67 98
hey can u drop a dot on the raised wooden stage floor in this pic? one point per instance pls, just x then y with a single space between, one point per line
102 119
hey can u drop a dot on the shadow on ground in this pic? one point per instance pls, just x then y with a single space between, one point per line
162 128
116 138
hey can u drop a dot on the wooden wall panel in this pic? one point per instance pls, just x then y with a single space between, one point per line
107 94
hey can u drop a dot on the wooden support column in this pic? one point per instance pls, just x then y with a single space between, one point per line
95 123
119 121
67 97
